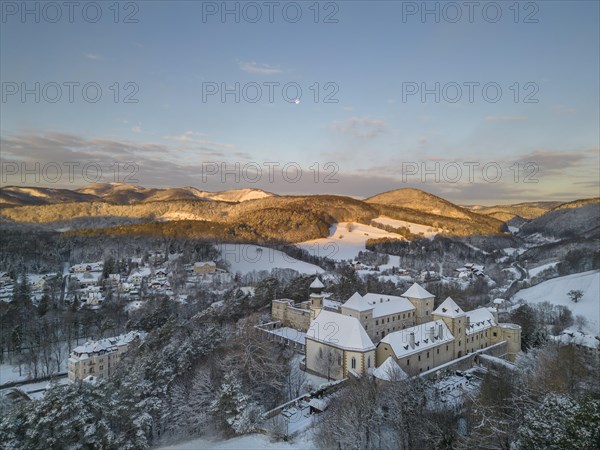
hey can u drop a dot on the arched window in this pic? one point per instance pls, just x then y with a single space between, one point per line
353 362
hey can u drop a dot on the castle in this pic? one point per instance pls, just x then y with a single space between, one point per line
365 331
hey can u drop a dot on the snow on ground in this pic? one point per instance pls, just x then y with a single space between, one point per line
250 441
245 258
555 292
343 244
414 228
536 270
9 373
393 261
178 215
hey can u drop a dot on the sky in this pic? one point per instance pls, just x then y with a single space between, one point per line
494 104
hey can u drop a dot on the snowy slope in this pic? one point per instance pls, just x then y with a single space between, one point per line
245 258
250 441
344 244
555 291
415 228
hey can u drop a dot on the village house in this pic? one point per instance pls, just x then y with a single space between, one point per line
205 267
99 358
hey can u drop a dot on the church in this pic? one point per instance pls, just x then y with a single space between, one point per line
366 331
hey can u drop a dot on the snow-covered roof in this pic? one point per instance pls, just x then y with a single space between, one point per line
389 371
578 338
319 403
400 341
316 284
449 308
205 263
341 331
107 344
417 291
382 305
480 319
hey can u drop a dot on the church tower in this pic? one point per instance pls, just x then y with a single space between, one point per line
316 298
422 301
457 321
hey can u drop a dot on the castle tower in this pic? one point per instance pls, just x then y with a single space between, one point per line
457 321
316 298
423 302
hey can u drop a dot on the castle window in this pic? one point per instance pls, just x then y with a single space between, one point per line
438 351
369 361
404 316
428 354
419 357
339 360
353 362
377 322
408 362
446 348
495 334
427 312
388 321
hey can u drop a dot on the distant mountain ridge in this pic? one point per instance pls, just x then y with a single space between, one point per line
235 214
120 194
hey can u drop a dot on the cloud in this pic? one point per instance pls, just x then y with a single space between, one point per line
364 127
261 69
188 137
563 110
506 118
94 56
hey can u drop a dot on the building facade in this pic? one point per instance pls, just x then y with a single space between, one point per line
371 329
99 358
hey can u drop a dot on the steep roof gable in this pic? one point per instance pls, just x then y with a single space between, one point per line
449 308
417 291
340 331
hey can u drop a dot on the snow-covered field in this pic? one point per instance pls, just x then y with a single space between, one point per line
537 270
245 258
555 291
415 228
343 244
250 441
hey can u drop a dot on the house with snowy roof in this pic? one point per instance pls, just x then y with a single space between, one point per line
99 358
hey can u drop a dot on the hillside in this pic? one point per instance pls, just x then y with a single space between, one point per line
566 222
526 210
119 194
292 218
555 291
419 207
20 196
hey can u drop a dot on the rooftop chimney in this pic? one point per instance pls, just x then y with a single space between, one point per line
441 331
411 340
432 333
